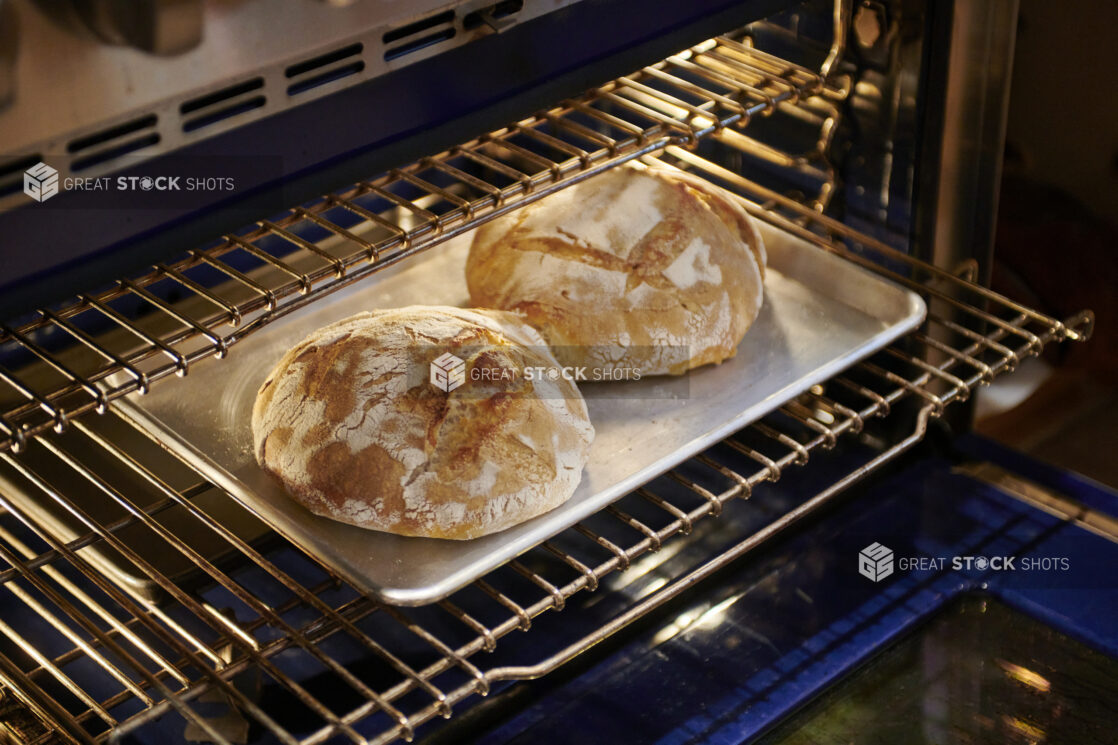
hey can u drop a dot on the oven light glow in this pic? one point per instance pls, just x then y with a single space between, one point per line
1025 676
1031 731
709 618
713 617
652 587
679 624
645 564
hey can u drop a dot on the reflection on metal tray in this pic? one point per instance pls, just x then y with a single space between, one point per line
820 315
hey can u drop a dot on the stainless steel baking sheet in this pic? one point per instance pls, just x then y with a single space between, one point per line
820 315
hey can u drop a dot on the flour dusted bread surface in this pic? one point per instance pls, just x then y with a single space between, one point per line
648 268
349 422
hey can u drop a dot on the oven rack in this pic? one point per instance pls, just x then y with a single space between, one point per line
83 659
74 357
115 663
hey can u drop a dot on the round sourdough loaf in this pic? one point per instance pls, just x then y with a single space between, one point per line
352 424
648 268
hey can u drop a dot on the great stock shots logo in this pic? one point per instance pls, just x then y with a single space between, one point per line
448 372
40 182
875 562
492 369
176 182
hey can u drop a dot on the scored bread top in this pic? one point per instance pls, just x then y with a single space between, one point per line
728 209
351 425
648 268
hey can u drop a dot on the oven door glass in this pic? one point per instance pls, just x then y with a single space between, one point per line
978 672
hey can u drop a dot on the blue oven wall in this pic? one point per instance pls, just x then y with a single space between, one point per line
801 617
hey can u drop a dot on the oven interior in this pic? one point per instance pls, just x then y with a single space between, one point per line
142 603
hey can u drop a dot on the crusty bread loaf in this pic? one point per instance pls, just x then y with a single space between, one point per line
653 269
351 424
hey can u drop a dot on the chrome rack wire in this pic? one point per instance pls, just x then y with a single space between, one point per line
237 638
67 360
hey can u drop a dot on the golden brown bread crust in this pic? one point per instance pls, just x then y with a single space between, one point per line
644 268
726 207
349 422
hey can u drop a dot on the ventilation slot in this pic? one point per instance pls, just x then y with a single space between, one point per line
11 174
108 135
419 35
112 153
116 141
496 12
223 104
326 68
